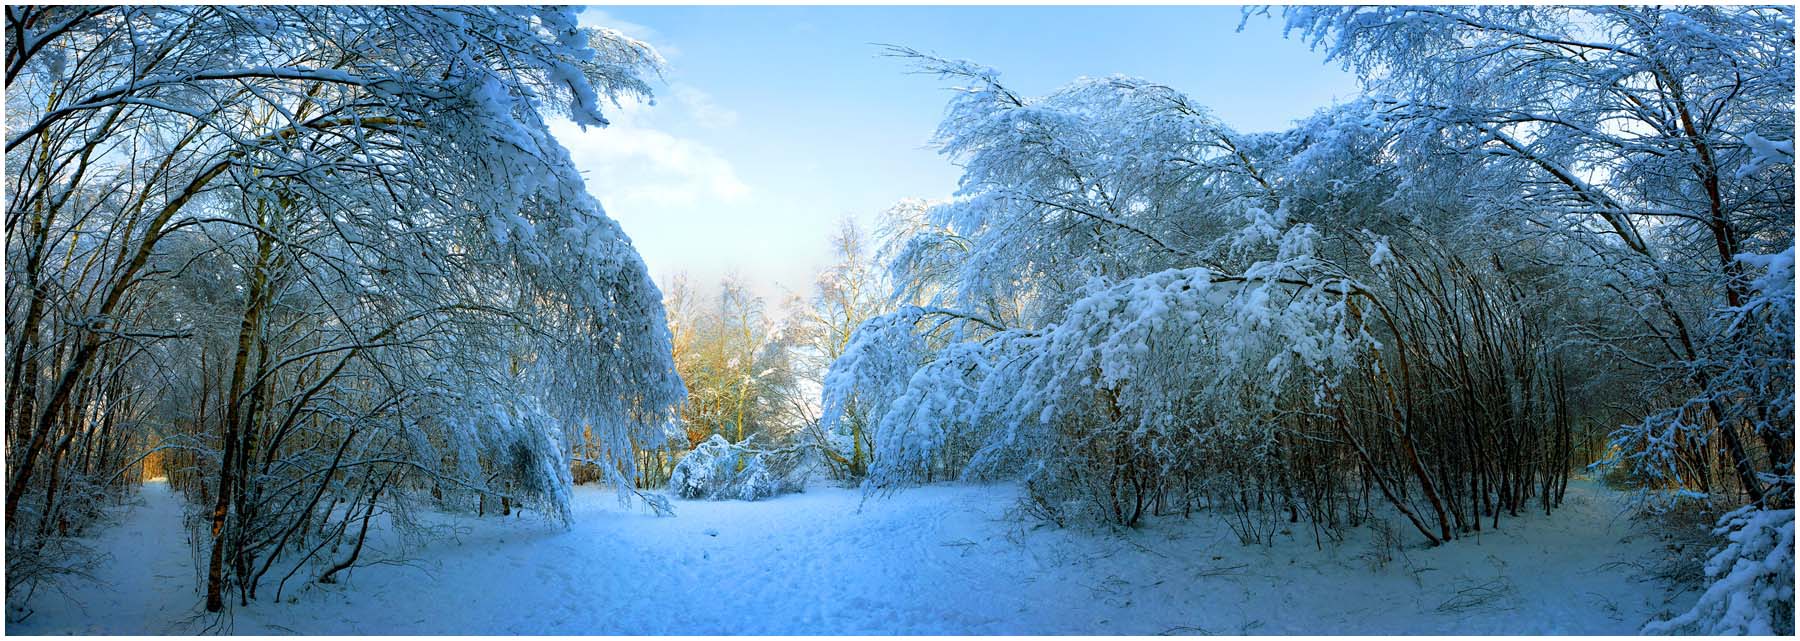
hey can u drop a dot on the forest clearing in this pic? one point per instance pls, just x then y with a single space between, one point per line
1189 319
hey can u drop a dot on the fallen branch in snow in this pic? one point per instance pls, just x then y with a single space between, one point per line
1476 596
1183 629
965 544
1221 571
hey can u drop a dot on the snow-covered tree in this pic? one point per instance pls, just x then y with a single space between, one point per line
339 250
849 291
1159 303
1644 134
1384 296
735 361
1658 142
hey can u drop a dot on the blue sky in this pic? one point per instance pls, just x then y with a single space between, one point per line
771 123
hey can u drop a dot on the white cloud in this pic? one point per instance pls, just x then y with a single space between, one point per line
700 106
634 165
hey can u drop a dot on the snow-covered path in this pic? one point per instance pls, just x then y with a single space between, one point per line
936 560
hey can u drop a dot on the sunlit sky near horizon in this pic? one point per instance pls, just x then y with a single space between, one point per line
772 123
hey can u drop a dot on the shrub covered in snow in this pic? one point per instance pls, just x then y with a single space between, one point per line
719 470
1752 590
1079 327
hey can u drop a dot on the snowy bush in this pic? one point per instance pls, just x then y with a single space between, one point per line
1752 580
1168 376
721 470
1082 328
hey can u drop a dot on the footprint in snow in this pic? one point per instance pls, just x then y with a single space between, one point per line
710 532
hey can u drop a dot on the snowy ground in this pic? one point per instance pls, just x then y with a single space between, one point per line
937 560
